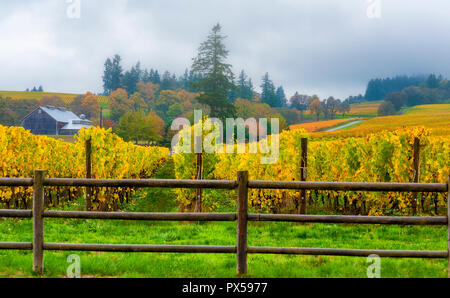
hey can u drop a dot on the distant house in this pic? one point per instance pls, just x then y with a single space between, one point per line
51 120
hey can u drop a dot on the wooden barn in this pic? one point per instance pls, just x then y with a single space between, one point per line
51 120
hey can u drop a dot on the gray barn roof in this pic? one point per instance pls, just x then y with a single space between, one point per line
77 125
60 114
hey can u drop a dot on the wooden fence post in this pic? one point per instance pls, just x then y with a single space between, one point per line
303 173
198 148
448 223
198 191
88 173
38 221
416 173
242 217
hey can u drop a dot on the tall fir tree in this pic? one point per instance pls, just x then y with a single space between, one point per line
216 75
245 86
268 94
112 75
168 82
185 80
281 97
131 78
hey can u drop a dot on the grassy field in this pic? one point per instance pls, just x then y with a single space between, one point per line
366 109
435 117
98 264
321 125
66 97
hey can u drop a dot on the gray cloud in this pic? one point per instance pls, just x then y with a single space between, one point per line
323 47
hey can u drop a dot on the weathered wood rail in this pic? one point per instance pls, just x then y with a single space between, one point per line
242 185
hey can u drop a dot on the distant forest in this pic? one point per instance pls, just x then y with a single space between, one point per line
378 89
402 91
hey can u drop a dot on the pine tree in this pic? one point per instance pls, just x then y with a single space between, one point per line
185 80
131 78
433 81
145 76
217 77
245 86
169 82
268 94
281 97
156 78
112 74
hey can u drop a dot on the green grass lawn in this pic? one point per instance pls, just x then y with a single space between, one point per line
99 264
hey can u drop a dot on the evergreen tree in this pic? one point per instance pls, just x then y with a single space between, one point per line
112 75
145 76
184 80
377 89
268 94
168 82
156 78
433 81
151 76
217 77
193 78
233 93
131 78
245 87
107 77
281 97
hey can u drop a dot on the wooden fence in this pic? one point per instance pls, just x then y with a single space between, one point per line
242 185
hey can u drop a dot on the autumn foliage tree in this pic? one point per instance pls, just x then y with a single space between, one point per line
137 126
246 109
344 108
119 103
148 90
90 106
138 102
316 108
52 100
171 104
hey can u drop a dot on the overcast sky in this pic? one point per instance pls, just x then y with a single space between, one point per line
326 47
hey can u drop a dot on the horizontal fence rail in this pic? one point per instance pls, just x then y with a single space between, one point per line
16 181
350 186
16 213
16 245
136 183
142 215
242 217
140 248
349 252
350 219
